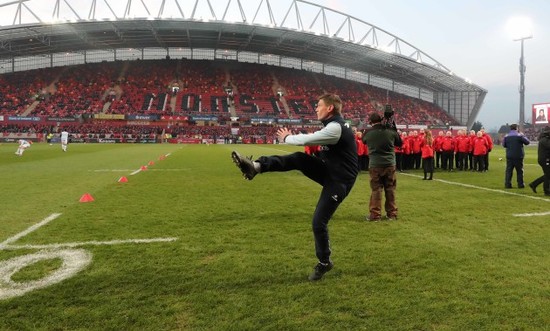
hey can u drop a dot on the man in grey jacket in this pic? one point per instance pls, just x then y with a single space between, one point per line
335 169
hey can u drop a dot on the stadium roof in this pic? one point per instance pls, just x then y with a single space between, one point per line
295 29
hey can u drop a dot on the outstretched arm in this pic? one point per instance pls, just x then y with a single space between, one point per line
328 135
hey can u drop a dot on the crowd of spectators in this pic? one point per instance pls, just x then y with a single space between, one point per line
189 88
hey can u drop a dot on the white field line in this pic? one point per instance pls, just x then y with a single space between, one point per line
6 244
90 243
74 261
532 214
135 172
493 190
482 188
29 230
278 150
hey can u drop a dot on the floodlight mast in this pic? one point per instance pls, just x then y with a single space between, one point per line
522 84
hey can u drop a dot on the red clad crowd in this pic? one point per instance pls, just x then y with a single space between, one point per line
465 151
186 87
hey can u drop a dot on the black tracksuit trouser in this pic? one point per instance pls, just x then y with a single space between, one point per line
333 193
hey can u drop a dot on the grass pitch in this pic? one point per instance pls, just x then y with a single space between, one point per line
465 254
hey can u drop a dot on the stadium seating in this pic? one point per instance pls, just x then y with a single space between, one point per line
223 89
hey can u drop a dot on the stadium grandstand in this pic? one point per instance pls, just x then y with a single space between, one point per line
190 71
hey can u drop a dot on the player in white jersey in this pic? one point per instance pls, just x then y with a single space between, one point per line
23 145
64 140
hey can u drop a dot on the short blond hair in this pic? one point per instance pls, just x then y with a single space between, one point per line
334 100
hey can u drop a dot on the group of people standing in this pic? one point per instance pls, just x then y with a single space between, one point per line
465 151
420 150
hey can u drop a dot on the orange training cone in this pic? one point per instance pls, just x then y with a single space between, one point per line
151 163
143 168
123 180
86 198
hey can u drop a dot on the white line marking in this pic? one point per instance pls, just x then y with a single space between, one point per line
30 229
481 188
126 170
91 243
74 261
279 150
532 214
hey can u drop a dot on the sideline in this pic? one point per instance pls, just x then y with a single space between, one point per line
140 169
492 190
481 188
532 214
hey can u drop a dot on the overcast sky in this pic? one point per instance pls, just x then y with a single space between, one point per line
470 37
